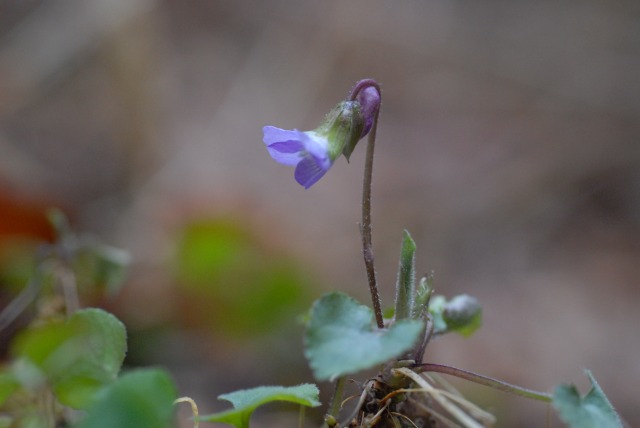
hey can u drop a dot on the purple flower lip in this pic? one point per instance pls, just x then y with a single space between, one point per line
306 151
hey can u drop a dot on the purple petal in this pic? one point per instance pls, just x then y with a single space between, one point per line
271 135
286 152
317 146
284 146
309 171
290 146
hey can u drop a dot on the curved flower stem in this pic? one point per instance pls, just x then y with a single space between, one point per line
484 380
365 227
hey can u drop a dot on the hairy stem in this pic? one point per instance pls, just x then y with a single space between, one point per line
484 380
365 227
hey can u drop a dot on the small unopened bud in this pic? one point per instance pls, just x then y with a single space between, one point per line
331 421
369 99
461 312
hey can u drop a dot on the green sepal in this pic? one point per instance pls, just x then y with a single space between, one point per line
342 127
423 297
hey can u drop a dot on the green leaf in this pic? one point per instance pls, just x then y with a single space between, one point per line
77 356
142 399
226 273
28 375
8 385
30 420
591 411
340 338
405 284
246 401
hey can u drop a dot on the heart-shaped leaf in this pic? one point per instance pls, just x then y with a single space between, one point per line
591 411
77 356
247 400
340 338
142 399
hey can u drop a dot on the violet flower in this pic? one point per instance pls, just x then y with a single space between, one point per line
313 152
307 151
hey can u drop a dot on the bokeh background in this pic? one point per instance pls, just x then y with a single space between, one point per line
508 145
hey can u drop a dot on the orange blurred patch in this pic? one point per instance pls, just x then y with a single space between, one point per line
24 218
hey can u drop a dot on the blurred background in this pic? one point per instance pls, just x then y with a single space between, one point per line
508 145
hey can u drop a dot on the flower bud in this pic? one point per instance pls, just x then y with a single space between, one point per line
462 314
369 102
369 99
